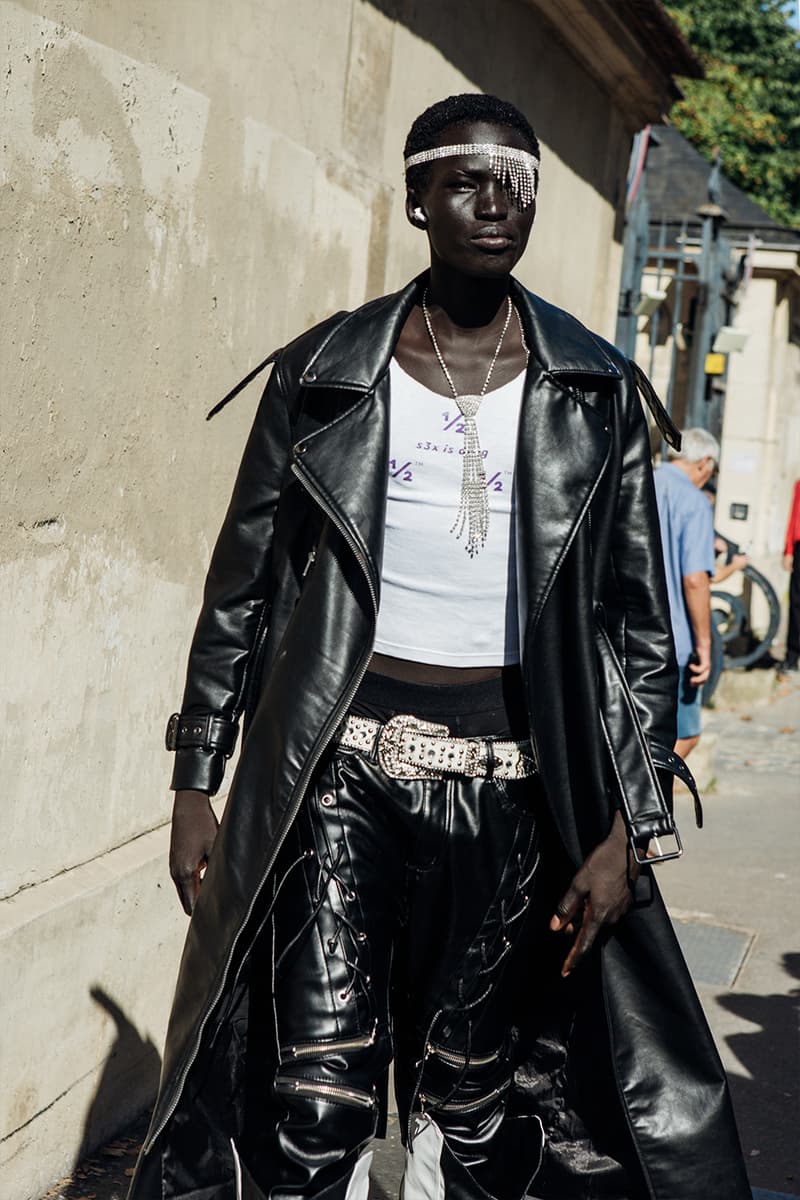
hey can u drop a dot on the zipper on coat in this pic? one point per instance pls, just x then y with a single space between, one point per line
312 558
253 671
300 789
326 1091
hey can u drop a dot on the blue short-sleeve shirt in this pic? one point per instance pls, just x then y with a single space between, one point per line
687 534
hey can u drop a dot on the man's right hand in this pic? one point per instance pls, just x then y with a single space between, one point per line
700 665
194 830
697 594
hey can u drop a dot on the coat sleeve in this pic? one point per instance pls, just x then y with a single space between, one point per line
648 650
235 599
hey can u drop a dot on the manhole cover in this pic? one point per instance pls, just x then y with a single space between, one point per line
713 953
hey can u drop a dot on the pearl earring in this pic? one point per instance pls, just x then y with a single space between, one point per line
420 215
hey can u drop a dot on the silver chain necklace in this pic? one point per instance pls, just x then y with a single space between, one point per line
473 507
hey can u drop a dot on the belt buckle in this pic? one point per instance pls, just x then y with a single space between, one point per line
391 752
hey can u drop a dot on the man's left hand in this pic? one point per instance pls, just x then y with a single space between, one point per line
600 893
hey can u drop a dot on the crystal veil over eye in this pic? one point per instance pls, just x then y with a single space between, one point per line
517 171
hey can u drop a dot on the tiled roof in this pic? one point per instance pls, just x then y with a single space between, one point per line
677 183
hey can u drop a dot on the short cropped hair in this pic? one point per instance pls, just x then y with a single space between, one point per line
696 444
455 110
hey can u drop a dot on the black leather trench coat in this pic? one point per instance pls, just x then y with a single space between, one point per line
284 636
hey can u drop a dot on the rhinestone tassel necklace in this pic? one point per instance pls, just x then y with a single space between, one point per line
473 508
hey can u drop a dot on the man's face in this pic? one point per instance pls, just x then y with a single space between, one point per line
472 224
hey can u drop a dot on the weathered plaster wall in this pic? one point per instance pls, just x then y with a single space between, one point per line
182 190
151 246
82 1008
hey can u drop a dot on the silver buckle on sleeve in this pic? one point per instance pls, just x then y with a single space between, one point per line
661 855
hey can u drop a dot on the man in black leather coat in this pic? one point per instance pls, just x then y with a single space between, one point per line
438 856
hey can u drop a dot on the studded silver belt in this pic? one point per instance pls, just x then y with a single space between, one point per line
408 748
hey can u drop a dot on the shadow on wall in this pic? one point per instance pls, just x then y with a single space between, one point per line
766 1102
128 1082
505 48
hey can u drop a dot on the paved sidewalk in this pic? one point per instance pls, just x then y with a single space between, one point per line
734 899
107 1174
735 894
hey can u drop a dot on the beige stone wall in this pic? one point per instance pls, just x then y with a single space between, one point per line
761 431
183 189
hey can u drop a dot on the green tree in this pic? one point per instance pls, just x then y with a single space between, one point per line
749 103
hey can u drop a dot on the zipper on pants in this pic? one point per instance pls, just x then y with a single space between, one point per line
325 1091
431 1104
326 1047
455 1059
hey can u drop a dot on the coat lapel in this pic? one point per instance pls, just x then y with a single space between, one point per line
562 448
346 459
344 467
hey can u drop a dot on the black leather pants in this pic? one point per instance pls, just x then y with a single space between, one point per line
398 907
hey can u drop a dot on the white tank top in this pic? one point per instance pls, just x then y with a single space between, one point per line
438 605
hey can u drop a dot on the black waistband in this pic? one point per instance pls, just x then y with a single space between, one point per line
494 708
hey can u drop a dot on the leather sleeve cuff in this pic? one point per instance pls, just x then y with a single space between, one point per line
206 731
201 770
202 744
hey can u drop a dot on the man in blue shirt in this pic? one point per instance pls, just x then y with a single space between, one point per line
687 534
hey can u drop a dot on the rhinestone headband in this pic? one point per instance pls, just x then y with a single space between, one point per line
517 171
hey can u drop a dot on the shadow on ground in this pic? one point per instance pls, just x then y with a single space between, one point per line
766 1103
128 1082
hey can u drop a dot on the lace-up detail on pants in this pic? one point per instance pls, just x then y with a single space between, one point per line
367 920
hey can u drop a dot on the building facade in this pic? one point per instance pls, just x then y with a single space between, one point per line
722 343
183 190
